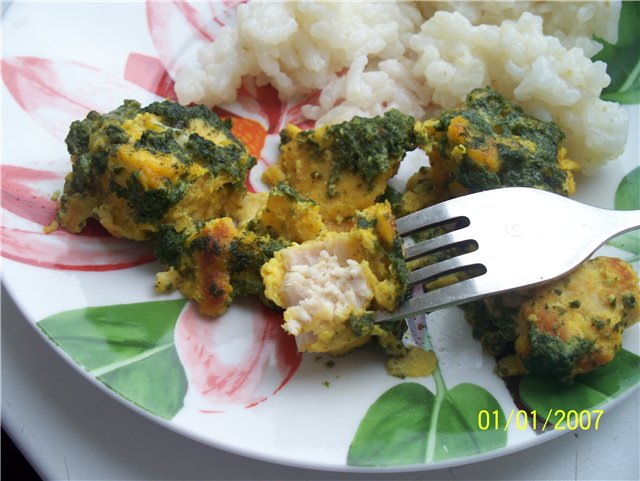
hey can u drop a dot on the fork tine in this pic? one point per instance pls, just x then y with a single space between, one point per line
450 211
454 264
438 243
429 217
463 291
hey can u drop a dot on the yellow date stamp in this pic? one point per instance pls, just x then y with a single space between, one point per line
553 419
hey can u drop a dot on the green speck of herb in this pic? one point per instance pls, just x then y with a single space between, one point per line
561 310
215 291
629 300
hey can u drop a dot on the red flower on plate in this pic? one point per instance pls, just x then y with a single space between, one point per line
178 28
238 359
56 92
24 239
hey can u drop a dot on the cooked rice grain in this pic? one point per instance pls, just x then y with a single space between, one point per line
366 58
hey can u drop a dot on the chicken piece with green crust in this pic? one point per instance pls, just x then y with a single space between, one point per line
288 215
137 168
345 167
486 143
213 262
564 328
328 285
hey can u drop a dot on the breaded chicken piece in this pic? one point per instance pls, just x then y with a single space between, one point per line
345 167
137 168
575 324
324 282
564 328
213 262
288 215
199 268
489 142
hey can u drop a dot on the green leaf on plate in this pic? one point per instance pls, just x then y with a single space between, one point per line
128 347
623 58
398 429
627 197
629 242
458 433
587 392
394 430
630 96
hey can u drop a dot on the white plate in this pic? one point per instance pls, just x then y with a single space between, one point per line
236 383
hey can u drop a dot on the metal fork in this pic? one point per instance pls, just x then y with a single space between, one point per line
517 237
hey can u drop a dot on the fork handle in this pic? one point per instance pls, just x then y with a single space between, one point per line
616 222
624 221
588 227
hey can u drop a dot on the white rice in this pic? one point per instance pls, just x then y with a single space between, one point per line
366 58
573 23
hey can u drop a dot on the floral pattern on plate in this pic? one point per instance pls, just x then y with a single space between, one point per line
236 382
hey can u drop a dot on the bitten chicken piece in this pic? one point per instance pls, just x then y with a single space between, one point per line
325 282
137 168
345 167
322 291
489 142
562 329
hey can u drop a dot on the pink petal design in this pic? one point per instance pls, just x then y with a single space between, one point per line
23 193
171 22
222 371
294 112
178 28
149 73
263 103
55 93
61 250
